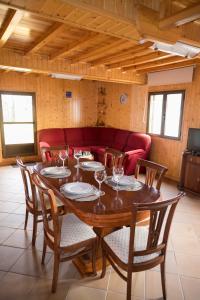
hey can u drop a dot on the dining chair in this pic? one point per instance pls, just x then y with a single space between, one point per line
31 198
67 236
139 248
113 158
154 172
51 154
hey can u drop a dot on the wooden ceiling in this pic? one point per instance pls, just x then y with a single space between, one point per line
106 40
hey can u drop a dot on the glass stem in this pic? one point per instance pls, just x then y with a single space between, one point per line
63 163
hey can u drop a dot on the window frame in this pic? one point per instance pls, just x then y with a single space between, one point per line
16 147
165 93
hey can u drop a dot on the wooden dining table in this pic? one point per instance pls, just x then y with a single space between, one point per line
106 212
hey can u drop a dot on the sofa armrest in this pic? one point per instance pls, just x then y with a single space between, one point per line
130 160
134 152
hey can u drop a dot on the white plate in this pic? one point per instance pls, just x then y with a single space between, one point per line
91 164
126 180
78 188
53 171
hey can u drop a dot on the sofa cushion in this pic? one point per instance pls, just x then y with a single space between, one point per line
90 135
120 139
138 141
51 137
106 136
74 136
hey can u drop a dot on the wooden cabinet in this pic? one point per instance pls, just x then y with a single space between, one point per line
190 173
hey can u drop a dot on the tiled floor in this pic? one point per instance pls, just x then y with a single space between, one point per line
23 277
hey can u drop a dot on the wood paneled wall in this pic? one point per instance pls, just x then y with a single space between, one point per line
55 111
52 109
133 116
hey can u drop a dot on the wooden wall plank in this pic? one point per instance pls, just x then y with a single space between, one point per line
52 109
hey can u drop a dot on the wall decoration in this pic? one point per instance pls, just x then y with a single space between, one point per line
68 95
123 98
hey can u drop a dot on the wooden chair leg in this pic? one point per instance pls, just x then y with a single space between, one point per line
34 230
26 219
55 272
94 251
103 273
129 286
44 251
162 270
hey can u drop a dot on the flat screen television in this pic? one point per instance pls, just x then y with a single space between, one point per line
193 142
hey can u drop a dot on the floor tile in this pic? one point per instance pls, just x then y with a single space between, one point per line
191 288
2 274
5 232
21 210
154 288
8 207
9 256
181 217
96 282
186 245
185 230
42 290
30 264
20 238
188 265
12 221
16 286
85 293
117 284
117 296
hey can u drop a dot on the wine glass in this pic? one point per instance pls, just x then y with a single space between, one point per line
118 173
63 154
77 155
100 176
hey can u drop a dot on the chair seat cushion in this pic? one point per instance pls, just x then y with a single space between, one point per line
118 241
39 208
74 231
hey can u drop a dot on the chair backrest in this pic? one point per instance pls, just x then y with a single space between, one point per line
29 187
157 232
52 228
112 159
154 172
51 154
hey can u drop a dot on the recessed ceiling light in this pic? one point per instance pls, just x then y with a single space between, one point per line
17 69
66 76
178 48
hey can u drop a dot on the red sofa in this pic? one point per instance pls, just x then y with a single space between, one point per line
96 139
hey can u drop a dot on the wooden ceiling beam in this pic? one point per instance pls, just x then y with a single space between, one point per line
42 65
83 8
140 60
74 46
120 58
164 62
103 11
123 55
184 16
93 54
148 25
9 24
171 66
52 32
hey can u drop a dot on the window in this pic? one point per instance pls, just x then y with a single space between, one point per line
165 114
18 123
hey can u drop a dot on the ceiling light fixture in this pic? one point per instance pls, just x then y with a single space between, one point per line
17 69
66 76
179 48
